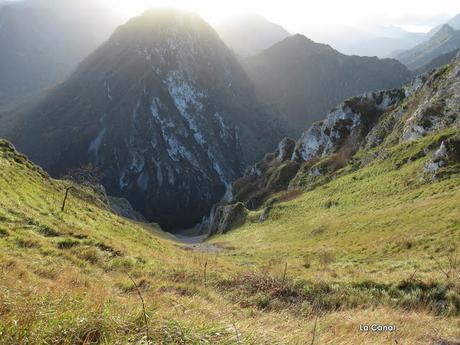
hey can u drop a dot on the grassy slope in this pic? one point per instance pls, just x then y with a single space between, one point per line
386 223
64 275
377 219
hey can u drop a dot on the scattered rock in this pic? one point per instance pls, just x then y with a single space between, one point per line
265 214
203 248
448 151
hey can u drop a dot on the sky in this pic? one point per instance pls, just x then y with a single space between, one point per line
302 15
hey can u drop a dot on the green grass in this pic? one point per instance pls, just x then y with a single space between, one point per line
372 245
383 218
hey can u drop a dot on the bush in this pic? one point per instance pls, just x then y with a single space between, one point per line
3 233
47 231
67 243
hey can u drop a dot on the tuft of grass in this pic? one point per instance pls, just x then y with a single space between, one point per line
67 243
258 289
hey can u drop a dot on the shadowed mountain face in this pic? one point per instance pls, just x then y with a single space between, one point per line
164 108
439 61
444 41
300 79
42 41
250 34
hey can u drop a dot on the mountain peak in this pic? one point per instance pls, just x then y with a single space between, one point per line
163 18
455 22
299 41
251 33
173 118
446 28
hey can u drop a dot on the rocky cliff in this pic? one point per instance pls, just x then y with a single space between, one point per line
164 109
357 132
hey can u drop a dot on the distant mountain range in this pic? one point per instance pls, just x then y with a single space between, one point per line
300 79
438 62
379 41
454 23
250 34
41 42
444 41
172 117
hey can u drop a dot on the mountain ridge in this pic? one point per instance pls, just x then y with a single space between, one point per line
164 108
377 120
444 41
250 34
302 79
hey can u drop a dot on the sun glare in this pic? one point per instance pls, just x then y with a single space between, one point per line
297 15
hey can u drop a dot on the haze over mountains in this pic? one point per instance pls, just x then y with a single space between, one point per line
378 41
171 116
301 79
42 41
444 41
250 34
181 187
167 110
164 108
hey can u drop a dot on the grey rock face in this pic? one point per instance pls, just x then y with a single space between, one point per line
166 112
448 152
123 208
346 125
437 106
226 217
286 149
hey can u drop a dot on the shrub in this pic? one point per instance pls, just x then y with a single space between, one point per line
67 243
47 231
27 243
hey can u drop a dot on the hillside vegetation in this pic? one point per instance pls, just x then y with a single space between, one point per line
368 237
372 246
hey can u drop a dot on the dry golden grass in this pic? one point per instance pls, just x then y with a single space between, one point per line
64 275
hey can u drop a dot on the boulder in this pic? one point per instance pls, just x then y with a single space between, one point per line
449 151
226 217
279 180
265 214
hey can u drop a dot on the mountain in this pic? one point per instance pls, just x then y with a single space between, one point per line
444 41
380 41
301 79
335 252
439 61
163 108
385 46
250 34
361 131
42 41
454 23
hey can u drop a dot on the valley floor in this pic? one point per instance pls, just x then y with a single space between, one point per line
372 246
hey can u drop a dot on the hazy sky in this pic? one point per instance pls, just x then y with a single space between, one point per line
299 15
